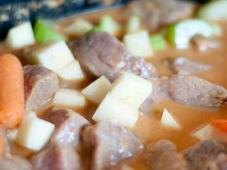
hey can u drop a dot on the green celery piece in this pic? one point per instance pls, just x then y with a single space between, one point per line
158 42
180 34
44 31
107 24
133 24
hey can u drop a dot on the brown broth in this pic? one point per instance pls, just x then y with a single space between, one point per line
148 127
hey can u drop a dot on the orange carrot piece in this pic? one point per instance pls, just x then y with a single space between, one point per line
1 143
220 124
11 91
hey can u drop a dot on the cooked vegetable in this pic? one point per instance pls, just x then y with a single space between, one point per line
214 10
133 24
221 124
168 120
108 24
34 133
1 142
79 27
44 31
158 42
68 98
122 102
71 72
97 90
180 34
204 132
11 91
53 56
20 36
138 44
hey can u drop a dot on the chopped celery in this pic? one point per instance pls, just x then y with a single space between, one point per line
133 24
181 33
107 24
44 31
79 27
158 42
214 10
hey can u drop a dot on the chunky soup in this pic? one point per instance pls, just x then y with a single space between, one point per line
141 87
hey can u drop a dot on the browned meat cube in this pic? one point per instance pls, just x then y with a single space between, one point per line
183 65
40 85
164 156
185 89
68 125
57 157
155 13
207 155
195 91
12 162
109 143
102 54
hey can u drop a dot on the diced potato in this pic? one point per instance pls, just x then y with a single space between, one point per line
108 24
53 56
131 89
97 90
168 120
68 98
138 44
79 27
34 133
71 72
204 132
112 109
20 36
122 102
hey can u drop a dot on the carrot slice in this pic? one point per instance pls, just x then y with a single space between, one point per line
220 124
1 143
11 91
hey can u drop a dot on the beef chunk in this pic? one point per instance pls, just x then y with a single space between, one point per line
40 84
155 13
12 162
185 66
102 54
68 125
57 157
207 155
195 91
164 156
109 143
185 89
203 44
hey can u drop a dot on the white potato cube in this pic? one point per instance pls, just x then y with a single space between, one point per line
204 132
168 120
131 89
53 56
71 72
138 44
20 36
68 98
113 110
79 27
34 133
97 90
